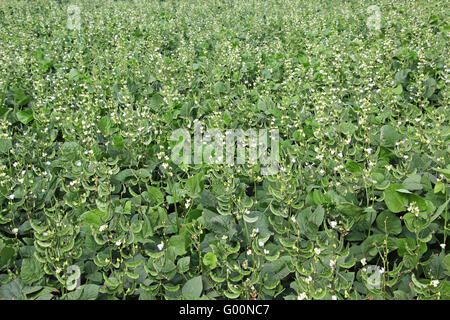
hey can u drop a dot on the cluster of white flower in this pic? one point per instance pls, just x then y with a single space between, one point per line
414 209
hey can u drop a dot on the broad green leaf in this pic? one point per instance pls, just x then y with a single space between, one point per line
210 260
194 185
155 195
395 201
388 136
193 288
389 223
227 117
349 209
25 116
183 264
179 243
31 270
353 167
398 89
318 215
105 125
94 217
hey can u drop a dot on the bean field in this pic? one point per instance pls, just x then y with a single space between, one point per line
118 179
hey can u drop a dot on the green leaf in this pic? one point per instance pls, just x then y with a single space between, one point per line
413 182
12 290
446 264
123 175
94 217
156 101
20 97
318 197
349 209
25 116
398 89
118 142
210 260
439 187
353 167
74 74
105 124
5 145
219 224
430 87
193 288
227 117
318 215
155 195
179 243
389 223
388 136
405 245
183 264
85 292
395 201
70 150
6 254
194 185
31 270
440 210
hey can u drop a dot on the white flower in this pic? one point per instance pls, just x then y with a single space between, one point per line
309 279
249 252
118 243
11 196
160 246
302 296
103 227
332 263
78 163
369 150
381 271
413 208
15 230
293 219
261 244
435 283
333 224
443 245
317 250
363 261
266 251
333 298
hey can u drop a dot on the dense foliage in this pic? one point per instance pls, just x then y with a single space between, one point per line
93 207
